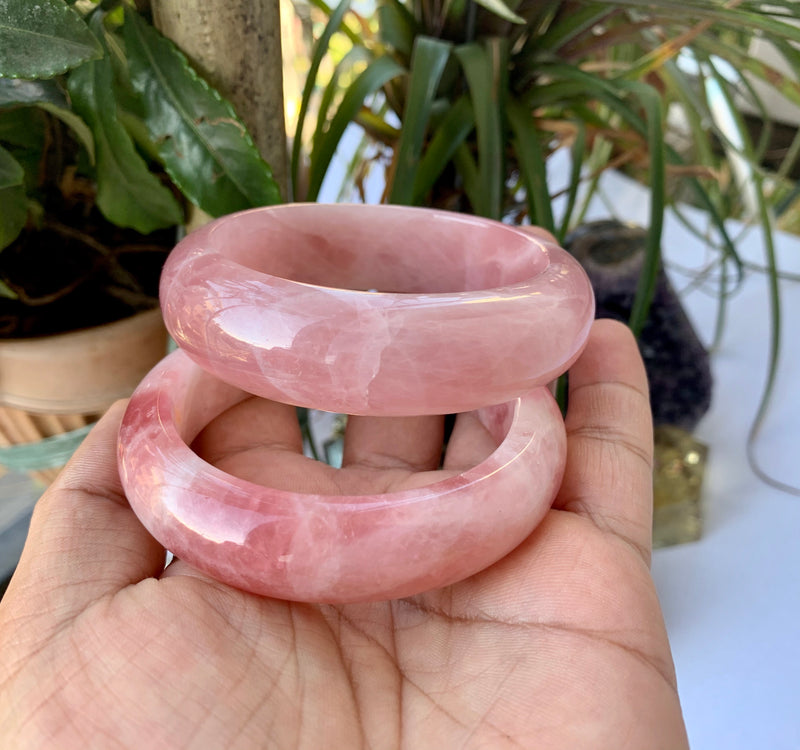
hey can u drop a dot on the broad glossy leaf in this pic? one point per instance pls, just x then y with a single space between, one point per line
14 92
43 39
12 198
49 96
22 128
204 145
128 193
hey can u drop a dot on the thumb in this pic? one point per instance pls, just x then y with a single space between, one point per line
84 540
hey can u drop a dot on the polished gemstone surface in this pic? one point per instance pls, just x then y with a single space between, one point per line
371 310
331 548
379 310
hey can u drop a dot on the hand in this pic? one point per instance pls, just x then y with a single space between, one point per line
559 645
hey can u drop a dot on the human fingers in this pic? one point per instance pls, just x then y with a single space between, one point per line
84 540
405 443
259 440
608 476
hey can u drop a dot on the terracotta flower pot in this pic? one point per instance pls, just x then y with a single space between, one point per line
58 384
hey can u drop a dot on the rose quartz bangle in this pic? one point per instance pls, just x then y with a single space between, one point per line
468 312
330 548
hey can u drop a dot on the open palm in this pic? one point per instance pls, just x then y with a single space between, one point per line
560 644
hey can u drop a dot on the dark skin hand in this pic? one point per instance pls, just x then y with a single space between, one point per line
559 645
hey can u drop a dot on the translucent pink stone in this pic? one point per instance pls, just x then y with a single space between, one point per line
363 310
330 548
467 312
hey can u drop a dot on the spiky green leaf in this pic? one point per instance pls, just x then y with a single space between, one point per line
204 145
128 193
43 39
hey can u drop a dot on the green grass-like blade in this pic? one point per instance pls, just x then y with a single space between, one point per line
470 176
343 27
501 10
457 123
319 52
651 102
483 67
578 155
427 64
570 26
766 223
397 26
532 165
376 75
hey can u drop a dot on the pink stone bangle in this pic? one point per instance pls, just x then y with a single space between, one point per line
468 311
330 548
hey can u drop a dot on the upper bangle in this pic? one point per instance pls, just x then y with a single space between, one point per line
330 548
380 310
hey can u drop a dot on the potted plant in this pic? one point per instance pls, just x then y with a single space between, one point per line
107 136
461 105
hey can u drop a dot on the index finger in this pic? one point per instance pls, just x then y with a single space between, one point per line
609 473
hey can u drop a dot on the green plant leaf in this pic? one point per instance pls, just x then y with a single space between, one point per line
468 171
23 128
205 148
766 222
577 154
368 82
532 165
15 92
500 9
43 39
483 66
783 84
650 101
320 50
128 193
397 27
345 69
427 64
448 135
12 198
50 97
355 40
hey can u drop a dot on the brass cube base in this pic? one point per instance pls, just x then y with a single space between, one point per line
678 470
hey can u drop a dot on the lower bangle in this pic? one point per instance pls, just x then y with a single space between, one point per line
330 548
